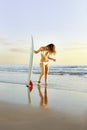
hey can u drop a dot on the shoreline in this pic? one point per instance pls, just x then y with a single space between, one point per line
56 99
50 108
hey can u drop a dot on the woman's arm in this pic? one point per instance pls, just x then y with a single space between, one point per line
51 59
40 49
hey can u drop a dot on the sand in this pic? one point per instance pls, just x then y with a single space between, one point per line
62 106
23 116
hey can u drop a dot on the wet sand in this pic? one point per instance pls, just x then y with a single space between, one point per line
49 109
23 117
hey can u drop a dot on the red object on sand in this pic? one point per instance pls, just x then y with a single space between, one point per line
30 85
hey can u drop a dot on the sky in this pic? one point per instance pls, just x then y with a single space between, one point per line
62 22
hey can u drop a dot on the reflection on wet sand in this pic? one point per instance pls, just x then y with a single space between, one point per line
43 96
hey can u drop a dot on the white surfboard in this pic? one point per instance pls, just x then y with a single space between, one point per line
30 65
30 59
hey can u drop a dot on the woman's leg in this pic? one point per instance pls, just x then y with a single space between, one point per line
45 95
46 73
42 71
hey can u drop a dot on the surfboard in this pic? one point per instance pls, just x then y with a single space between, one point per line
30 66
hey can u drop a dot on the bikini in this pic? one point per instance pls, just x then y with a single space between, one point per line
44 62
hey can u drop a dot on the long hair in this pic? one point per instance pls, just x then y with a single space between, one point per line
51 48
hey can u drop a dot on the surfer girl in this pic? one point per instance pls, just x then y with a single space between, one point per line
46 55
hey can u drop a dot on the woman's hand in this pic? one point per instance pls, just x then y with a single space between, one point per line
54 59
51 59
35 52
40 49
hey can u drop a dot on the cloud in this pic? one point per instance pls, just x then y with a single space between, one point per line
75 49
4 41
21 50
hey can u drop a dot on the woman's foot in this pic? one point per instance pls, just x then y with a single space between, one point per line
38 82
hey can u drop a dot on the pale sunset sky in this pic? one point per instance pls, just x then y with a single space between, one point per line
62 22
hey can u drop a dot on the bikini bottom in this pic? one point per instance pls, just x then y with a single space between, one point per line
45 63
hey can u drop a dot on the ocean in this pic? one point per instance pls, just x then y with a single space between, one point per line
53 70
70 78
66 85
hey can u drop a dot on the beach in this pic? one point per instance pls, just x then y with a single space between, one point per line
60 105
20 117
43 42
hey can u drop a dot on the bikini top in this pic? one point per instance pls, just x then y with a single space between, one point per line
44 55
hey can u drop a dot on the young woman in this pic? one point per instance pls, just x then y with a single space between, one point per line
46 52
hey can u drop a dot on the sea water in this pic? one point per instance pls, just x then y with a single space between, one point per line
53 70
67 86
71 78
